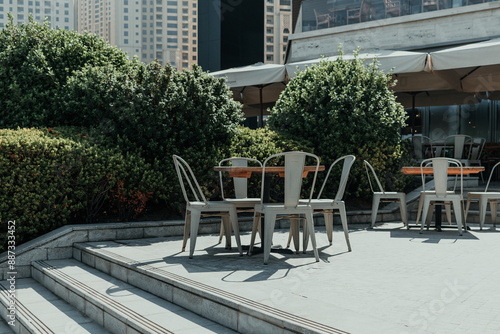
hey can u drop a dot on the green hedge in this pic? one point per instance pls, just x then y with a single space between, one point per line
47 180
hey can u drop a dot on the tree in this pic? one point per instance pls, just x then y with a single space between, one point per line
344 107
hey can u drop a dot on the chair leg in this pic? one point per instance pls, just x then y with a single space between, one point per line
482 212
419 210
195 223
187 224
256 223
447 207
375 204
310 228
269 222
328 217
343 219
426 207
493 208
233 216
221 234
457 207
467 207
402 209
226 222
294 233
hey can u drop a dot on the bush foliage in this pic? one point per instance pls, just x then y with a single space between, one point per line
344 107
48 179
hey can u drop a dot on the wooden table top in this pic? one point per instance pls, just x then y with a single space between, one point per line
451 170
246 172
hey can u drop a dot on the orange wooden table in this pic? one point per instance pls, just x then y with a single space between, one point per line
451 170
246 172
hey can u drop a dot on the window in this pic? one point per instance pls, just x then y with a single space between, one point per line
125 18
125 41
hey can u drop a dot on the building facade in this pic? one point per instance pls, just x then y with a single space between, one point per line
58 13
161 30
278 26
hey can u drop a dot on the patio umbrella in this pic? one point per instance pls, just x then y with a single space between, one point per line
398 61
257 86
472 67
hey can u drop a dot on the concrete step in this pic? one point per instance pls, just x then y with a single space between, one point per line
232 310
37 310
115 305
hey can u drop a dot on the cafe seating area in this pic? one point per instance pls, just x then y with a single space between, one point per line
442 175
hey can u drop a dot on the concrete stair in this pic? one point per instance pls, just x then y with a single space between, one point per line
38 310
114 305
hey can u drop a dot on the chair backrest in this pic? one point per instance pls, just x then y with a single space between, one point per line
422 147
186 175
346 168
294 169
491 174
476 148
240 183
370 170
462 145
440 173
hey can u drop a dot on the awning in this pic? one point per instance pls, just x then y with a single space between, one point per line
256 86
473 67
398 61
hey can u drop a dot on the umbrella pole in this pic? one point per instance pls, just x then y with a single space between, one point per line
414 114
261 107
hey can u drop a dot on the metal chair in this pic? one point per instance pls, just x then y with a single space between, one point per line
294 169
241 201
483 198
392 7
384 196
326 206
441 195
197 206
322 19
462 145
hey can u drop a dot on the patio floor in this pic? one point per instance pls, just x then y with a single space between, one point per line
394 281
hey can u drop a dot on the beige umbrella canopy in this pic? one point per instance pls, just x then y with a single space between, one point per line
471 68
256 86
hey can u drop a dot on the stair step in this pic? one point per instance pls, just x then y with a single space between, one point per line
116 305
37 310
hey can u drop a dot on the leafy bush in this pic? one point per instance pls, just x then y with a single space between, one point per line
344 107
48 179
35 64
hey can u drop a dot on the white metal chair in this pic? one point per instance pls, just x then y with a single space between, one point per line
483 198
441 195
421 204
476 150
241 201
422 148
294 169
384 196
462 145
198 206
326 206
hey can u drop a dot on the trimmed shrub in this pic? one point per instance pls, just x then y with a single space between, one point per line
344 107
35 64
47 180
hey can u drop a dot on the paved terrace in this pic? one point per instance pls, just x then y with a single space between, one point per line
394 281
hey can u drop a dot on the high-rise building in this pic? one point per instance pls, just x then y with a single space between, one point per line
59 13
231 33
149 29
278 23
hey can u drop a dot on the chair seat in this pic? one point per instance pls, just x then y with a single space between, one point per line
280 207
211 205
243 202
321 204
